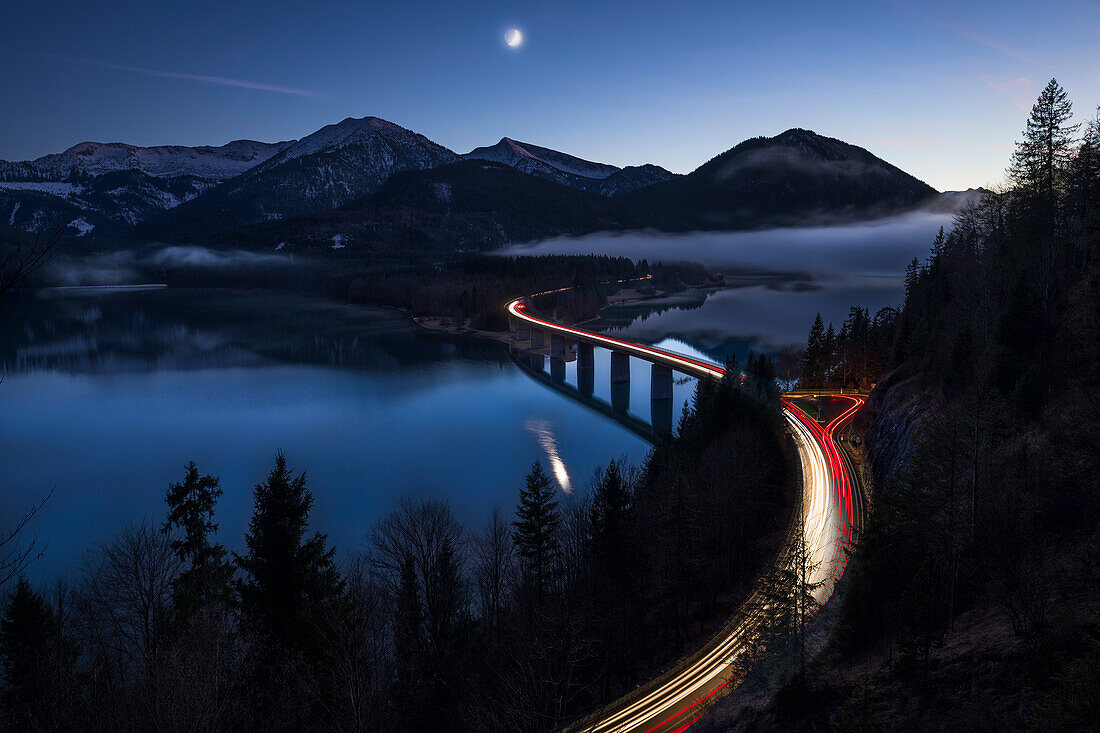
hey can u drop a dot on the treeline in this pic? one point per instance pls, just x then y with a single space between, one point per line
457 285
523 624
853 357
992 518
473 286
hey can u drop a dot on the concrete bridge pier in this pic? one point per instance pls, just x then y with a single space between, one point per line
660 382
586 381
620 381
620 367
538 338
660 416
557 369
586 368
557 345
523 332
620 397
586 356
538 361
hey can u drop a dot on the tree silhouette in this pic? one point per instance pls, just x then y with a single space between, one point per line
287 578
535 531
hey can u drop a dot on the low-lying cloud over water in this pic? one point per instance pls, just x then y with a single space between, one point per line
133 266
828 269
880 247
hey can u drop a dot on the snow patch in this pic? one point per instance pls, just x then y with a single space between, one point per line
524 156
82 226
53 188
11 221
164 161
338 241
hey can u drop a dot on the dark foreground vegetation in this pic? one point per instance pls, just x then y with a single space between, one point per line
524 624
973 602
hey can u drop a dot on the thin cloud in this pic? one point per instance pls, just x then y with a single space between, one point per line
220 80
904 142
971 36
1021 90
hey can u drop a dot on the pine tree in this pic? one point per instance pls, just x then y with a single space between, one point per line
912 275
287 581
939 244
828 354
536 530
732 376
611 524
761 377
1042 157
26 631
191 509
813 356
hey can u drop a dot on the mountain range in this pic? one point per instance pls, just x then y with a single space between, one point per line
371 183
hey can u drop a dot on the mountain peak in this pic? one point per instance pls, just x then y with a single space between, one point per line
355 132
543 162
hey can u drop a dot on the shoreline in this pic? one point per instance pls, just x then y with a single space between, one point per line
439 324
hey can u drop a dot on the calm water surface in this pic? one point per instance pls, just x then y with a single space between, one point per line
106 397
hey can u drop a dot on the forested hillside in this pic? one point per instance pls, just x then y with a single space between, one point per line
973 599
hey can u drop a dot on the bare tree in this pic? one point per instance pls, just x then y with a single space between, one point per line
16 550
23 260
494 570
125 614
356 670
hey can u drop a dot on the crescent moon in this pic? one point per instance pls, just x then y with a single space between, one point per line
513 38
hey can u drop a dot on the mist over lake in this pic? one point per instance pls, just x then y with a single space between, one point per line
779 278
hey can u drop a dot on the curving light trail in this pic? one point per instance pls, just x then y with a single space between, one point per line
675 701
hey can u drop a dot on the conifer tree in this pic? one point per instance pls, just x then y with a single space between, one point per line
536 530
761 373
191 509
939 244
813 357
1042 157
26 630
611 524
287 579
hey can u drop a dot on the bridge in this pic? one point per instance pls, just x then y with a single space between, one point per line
830 514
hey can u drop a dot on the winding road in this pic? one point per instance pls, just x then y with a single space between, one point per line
831 513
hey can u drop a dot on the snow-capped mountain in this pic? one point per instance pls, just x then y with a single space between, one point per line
117 191
114 186
569 170
163 161
327 169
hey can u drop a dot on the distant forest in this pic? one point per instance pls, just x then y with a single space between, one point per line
973 602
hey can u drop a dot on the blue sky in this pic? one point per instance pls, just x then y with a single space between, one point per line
939 89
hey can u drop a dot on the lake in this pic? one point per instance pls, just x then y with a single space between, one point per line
106 397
